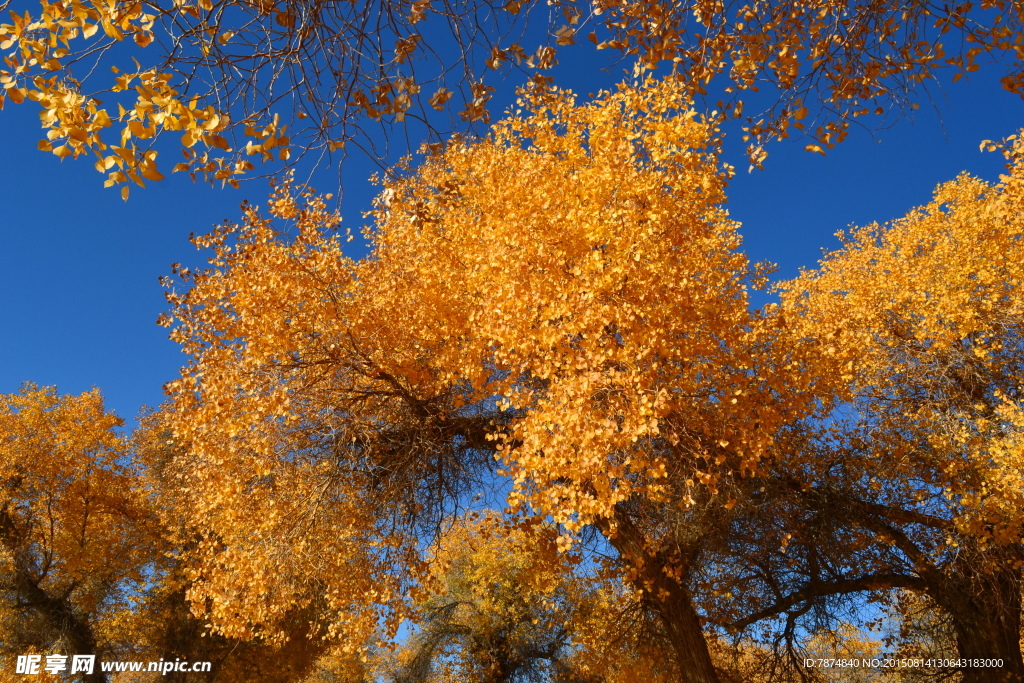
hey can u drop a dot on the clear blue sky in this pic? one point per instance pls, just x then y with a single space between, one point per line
79 267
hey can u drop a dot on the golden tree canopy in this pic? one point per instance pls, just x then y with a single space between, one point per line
566 293
77 536
925 316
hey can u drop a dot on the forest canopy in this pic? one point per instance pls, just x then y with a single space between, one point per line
541 431
563 306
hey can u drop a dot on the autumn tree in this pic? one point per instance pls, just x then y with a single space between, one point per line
165 625
606 355
77 536
916 481
238 82
497 605
88 564
502 604
919 628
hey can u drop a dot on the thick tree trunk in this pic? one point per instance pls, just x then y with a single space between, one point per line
667 597
680 619
986 609
64 621
984 645
980 590
75 631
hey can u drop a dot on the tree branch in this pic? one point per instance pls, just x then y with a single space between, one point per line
820 589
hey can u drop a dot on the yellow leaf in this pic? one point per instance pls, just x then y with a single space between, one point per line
149 172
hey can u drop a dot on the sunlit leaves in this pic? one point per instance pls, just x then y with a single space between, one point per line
565 295
77 537
924 317
216 71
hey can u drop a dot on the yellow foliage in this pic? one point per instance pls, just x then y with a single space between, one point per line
923 318
264 60
501 601
76 534
569 287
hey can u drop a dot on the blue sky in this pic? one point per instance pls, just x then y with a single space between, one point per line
79 267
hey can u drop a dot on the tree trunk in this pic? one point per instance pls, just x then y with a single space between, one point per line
981 645
986 609
665 596
680 619
75 630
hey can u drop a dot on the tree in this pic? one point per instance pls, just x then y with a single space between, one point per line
165 625
921 630
504 605
918 477
607 356
498 606
87 561
266 80
76 537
